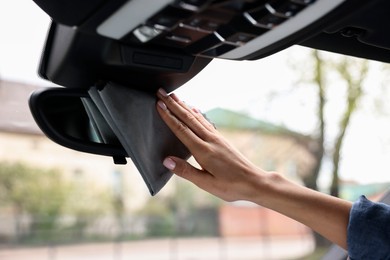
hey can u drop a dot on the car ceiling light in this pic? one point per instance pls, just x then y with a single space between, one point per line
145 33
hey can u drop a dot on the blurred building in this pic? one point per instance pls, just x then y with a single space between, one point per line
271 147
22 141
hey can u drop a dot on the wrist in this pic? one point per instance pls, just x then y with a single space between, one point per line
272 190
263 186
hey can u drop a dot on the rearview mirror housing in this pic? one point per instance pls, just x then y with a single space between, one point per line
61 115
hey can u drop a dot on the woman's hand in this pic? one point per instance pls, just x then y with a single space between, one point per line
224 171
229 175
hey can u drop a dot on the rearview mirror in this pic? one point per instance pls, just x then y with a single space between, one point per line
67 116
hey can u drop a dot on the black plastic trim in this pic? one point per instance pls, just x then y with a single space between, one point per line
35 102
362 33
43 64
78 60
349 6
70 12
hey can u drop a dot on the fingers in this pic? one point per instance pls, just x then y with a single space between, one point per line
185 170
202 119
192 118
193 130
182 131
196 112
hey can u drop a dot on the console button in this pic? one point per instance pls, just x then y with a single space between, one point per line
233 6
209 20
193 5
184 36
145 33
240 38
241 24
235 37
179 39
164 22
203 24
238 6
285 8
263 17
270 21
206 43
168 18
218 50
303 2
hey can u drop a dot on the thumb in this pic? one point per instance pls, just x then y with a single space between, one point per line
182 168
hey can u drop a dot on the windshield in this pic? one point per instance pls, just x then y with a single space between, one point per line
291 112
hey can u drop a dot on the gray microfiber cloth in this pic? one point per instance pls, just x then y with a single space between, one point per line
134 119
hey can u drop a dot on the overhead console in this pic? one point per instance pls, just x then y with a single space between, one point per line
225 29
108 38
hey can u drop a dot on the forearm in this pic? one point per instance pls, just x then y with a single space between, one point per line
325 214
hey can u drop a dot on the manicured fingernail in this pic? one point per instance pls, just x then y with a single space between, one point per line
173 95
162 105
196 110
169 163
162 92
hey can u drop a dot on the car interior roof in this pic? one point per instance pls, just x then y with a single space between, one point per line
359 28
362 33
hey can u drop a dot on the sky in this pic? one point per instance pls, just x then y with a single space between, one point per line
265 89
23 28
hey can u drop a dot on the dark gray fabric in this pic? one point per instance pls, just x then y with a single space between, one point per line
134 119
99 125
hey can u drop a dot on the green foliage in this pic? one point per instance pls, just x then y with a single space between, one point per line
45 197
317 254
85 204
39 192
158 218
188 211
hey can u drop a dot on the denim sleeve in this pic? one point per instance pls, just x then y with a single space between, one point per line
369 230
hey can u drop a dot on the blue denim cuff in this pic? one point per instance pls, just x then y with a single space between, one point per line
369 230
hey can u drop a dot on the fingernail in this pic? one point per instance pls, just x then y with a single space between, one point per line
162 92
196 110
162 105
173 95
169 163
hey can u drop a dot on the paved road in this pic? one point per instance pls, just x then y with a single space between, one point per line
172 249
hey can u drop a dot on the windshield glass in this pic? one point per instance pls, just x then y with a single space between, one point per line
279 111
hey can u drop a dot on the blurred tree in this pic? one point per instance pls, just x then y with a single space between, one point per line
187 211
86 204
351 72
318 151
39 193
192 206
118 201
158 217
